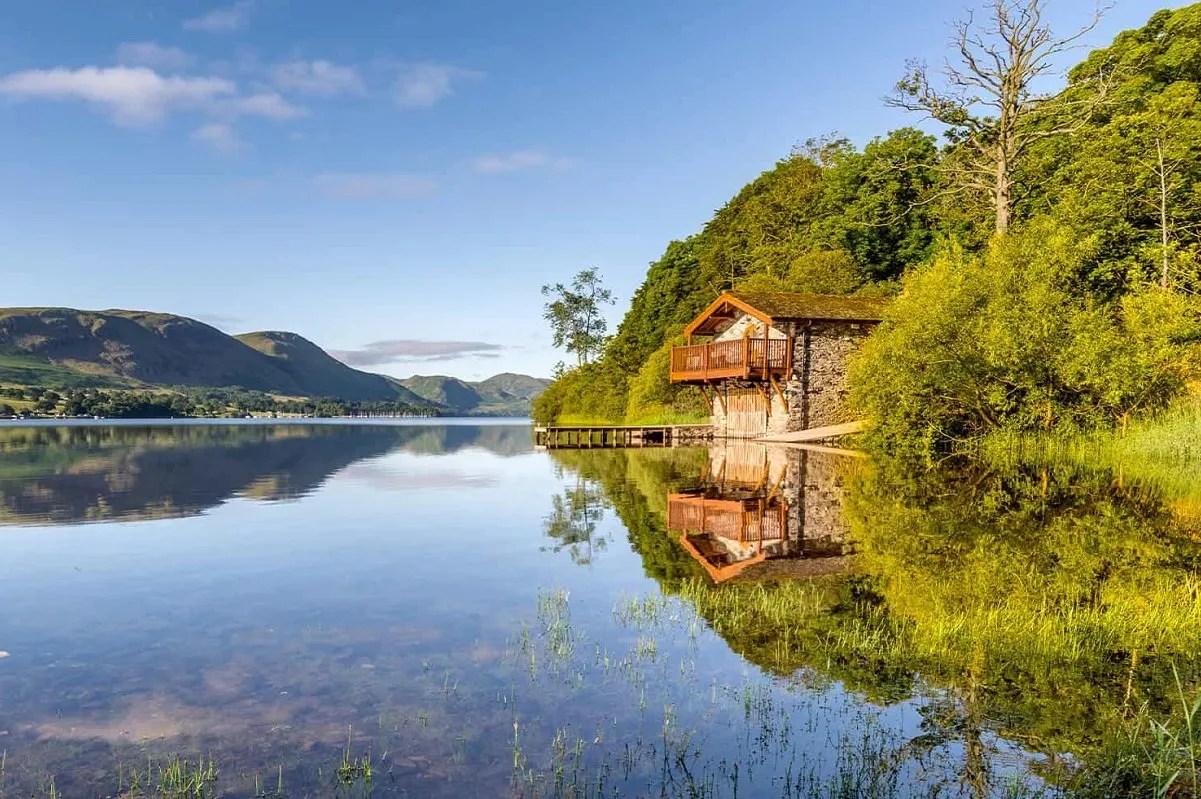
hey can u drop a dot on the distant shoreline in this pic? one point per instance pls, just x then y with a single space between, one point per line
414 421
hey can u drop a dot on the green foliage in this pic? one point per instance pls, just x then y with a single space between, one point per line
1129 181
575 314
596 391
877 209
827 219
652 394
1011 339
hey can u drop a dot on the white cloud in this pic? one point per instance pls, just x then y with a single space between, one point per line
219 136
367 185
406 350
318 77
153 55
265 104
132 95
423 85
221 20
139 95
518 160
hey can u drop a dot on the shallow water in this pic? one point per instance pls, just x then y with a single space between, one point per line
441 610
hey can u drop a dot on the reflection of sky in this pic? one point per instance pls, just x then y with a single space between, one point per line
291 622
386 474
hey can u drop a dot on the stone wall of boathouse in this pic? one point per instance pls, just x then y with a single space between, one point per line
815 394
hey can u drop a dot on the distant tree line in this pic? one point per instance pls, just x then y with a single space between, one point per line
187 403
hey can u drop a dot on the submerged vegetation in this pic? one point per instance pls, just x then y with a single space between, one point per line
1053 605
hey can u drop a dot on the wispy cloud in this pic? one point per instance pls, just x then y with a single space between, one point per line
403 350
318 77
368 185
154 55
132 95
219 320
423 85
221 20
218 135
269 105
391 479
140 95
518 160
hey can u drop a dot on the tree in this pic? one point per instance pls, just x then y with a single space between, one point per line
573 520
989 103
575 314
1008 340
876 204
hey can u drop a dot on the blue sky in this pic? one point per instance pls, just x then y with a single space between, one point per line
396 180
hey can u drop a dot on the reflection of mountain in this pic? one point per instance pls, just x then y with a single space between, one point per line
64 475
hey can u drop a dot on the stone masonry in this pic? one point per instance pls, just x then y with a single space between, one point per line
814 395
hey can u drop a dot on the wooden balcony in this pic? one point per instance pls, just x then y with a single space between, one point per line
703 524
742 521
746 358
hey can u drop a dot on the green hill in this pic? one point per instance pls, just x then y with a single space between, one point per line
442 390
305 362
505 394
65 348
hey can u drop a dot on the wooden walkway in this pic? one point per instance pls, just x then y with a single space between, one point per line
815 434
611 436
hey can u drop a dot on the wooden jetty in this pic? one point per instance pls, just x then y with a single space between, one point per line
616 436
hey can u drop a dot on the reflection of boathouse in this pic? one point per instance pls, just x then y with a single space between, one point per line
759 503
771 362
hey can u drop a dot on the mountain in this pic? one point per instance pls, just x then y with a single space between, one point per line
505 394
442 390
513 385
303 360
69 348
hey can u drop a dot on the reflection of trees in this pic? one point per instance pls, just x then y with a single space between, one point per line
635 484
1039 604
573 519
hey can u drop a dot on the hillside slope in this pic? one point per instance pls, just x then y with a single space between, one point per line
505 394
313 367
68 348
118 347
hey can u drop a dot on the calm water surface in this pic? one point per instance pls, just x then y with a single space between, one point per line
469 616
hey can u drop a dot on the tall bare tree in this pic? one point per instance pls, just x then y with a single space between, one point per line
988 98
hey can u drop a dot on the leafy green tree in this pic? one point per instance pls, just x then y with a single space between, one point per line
877 205
653 395
1009 339
1129 181
764 227
576 314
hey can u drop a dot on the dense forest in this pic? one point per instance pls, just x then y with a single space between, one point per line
1043 249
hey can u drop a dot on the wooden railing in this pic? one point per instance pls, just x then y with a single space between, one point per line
747 358
750 521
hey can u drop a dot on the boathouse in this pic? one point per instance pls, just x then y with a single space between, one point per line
773 362
763 510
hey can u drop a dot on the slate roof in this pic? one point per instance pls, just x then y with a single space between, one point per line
781 305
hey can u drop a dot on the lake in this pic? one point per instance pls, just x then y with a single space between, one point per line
439 609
